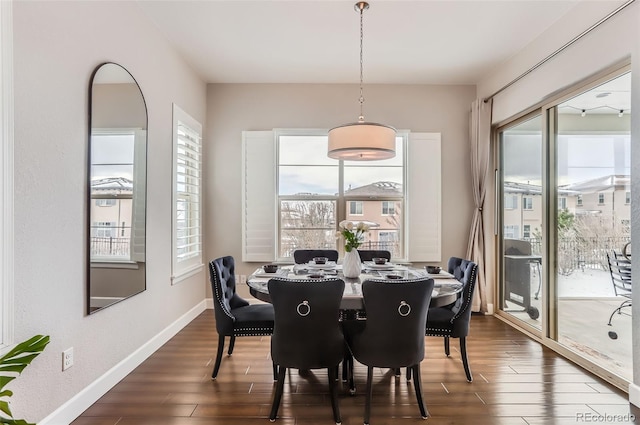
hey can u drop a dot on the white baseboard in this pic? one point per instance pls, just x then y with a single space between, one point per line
490 310
634 394
73 408
208 303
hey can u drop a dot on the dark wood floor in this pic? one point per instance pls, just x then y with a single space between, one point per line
517 382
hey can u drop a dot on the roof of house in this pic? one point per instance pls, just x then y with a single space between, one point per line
112 183
612 181
377 189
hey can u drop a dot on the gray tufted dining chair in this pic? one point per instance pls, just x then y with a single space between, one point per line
307 333
234 315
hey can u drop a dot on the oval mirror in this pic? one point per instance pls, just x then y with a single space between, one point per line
116 188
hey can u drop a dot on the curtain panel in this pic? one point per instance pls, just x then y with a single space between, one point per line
480 141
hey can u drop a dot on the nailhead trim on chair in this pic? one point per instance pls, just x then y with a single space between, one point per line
469 294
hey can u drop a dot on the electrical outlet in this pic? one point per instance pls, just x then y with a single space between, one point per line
243 279
67 358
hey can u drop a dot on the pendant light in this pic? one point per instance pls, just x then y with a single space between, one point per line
362 141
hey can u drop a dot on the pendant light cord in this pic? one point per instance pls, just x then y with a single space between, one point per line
361 6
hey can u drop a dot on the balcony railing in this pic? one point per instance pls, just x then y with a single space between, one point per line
582 253
110 247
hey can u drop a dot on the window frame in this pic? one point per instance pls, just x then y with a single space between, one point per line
513 204
527 203
6 176
342 201
183 268
601 199
357 204
387 204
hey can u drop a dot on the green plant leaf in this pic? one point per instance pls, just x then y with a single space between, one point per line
4 408
13 363
4 380
6 421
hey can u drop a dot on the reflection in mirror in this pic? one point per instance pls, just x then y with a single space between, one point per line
117 187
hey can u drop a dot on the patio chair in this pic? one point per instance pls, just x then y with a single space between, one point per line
620 270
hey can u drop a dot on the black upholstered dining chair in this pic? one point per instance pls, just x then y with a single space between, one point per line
307 333
370 254
393 334
234 315
303 256
452 321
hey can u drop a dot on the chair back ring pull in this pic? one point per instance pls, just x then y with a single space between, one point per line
303 308
404 309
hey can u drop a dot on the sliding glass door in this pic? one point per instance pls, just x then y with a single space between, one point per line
592 188
521 255
564 225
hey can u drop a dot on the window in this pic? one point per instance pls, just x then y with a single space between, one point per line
600 198
562 203
105 202
627 197
579 200
187 180
113 189
312 185
510 202
355 208
288 179
527 203
511 231
526 231
6 175
388 208
103 229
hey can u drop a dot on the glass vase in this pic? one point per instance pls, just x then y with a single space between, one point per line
351 264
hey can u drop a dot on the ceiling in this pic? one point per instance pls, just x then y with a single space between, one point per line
301 41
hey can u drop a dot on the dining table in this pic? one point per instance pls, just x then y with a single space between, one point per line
446 289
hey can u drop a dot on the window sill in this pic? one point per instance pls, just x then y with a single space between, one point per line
107 264
187 273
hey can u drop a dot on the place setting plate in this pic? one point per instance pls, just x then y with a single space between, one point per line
329 265
373 266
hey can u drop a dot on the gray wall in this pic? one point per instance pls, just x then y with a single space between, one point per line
57 45
233 108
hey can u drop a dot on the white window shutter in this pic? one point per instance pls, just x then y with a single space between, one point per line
138 231
259 221
424 197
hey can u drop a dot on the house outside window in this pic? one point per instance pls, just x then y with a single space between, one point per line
627 197
388 208
527 203
579 200
600 198
526 231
